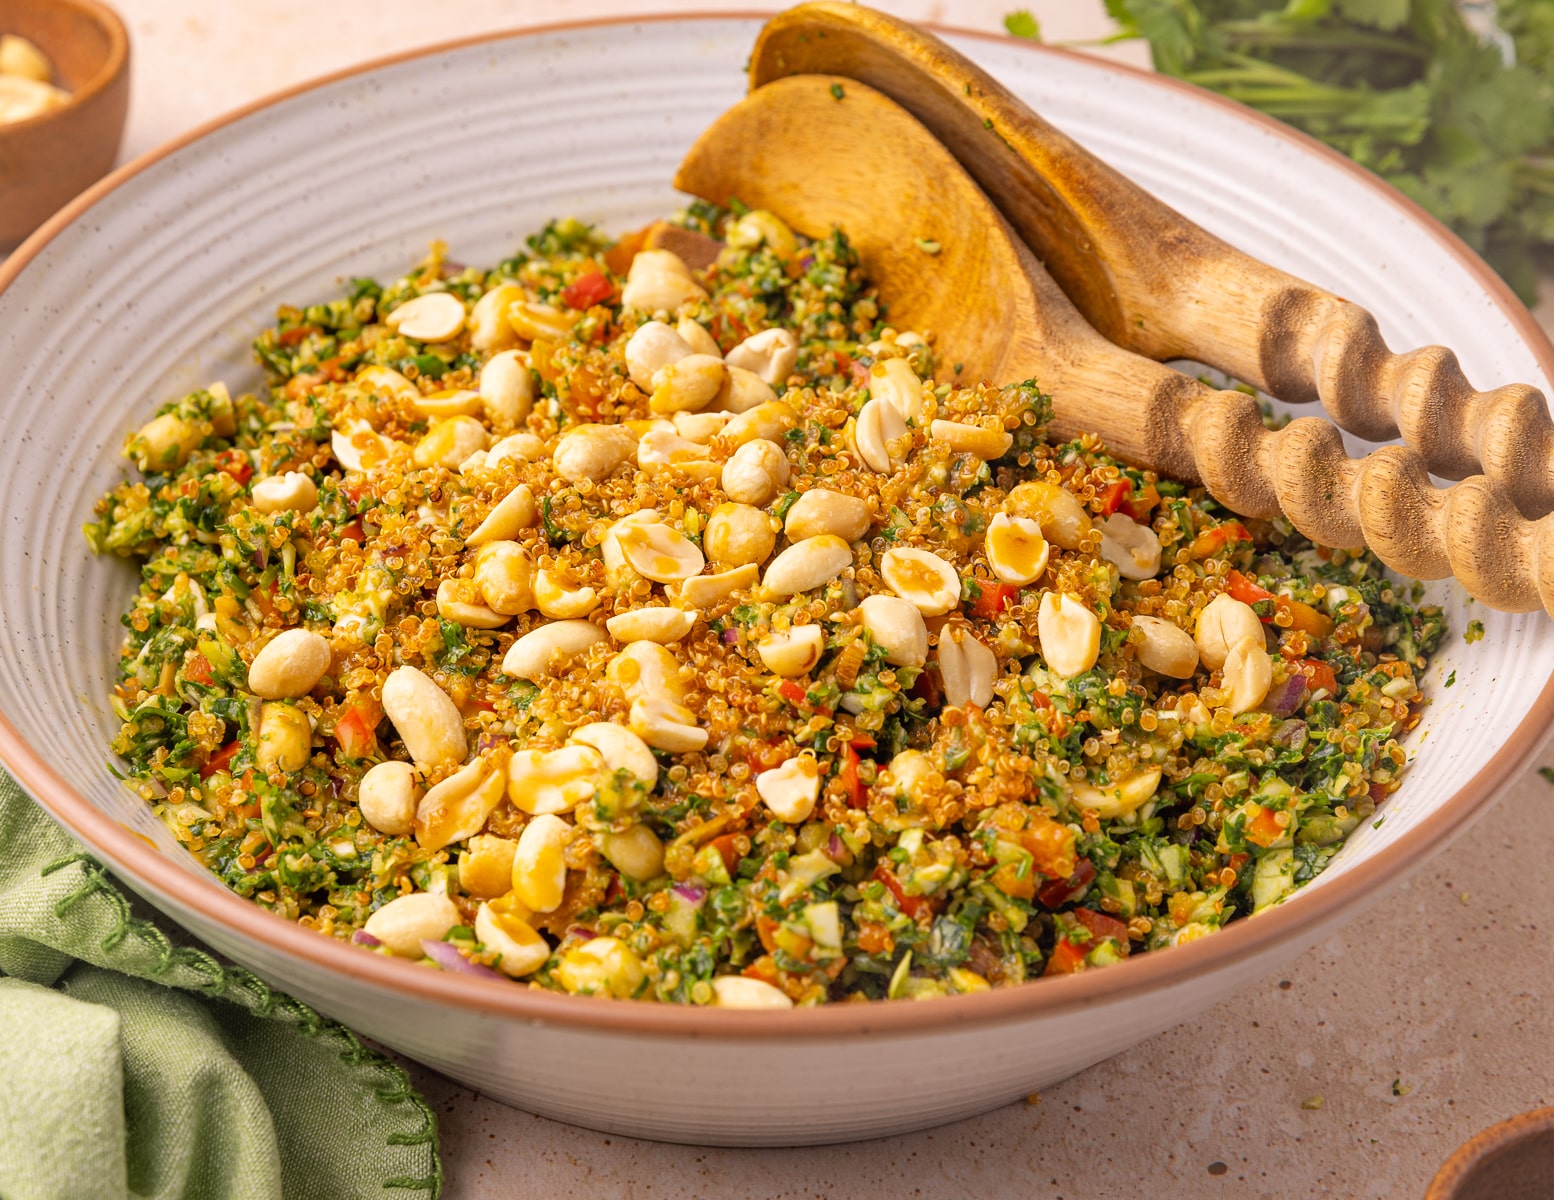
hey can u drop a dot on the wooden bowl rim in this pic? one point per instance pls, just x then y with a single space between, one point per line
1481 1146
118 54
140 860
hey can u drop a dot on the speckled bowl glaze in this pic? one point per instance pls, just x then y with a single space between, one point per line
154 282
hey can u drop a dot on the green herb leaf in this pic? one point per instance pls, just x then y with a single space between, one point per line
1022 24
1386 15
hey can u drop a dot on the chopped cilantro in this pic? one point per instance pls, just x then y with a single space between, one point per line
1022 24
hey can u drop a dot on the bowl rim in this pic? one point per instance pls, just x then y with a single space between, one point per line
137 858
118 55
1487 1144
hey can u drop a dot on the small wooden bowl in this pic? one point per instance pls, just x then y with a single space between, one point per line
1513 1160
48 159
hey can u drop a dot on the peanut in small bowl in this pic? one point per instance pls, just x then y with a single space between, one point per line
47 158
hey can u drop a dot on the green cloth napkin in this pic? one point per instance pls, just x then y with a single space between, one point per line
133 1064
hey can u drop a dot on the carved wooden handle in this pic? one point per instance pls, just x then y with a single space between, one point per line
1471 530
863 163
1164 420
1157 284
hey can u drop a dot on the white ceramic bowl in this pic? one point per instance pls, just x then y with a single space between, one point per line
154 282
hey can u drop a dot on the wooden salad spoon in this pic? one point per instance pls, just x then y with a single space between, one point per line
826 152
1154 282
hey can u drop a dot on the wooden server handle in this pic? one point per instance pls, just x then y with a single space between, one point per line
866 165
1161 286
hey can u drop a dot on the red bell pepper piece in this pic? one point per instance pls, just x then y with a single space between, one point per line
219 760
587 290
996 598
1059 892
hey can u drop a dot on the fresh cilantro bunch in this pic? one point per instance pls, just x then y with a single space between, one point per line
1403 87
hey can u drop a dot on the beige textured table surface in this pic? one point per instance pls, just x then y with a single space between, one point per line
1440 993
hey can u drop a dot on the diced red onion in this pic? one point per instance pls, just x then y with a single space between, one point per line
1285 697
362 938
1291 733
691 892
834 848
446 955
730 636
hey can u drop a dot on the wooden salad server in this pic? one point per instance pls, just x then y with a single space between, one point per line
1157 284
826 152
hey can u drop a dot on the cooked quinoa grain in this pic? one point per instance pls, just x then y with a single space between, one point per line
714 653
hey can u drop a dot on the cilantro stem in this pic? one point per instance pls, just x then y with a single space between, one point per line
1306 37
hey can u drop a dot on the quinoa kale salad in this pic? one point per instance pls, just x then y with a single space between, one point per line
649 618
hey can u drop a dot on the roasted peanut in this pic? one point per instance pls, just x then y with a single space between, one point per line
289 665
538 652
1121 798
687 384
488 327
387 796
756 473
457 807
637 853
970 439
553 781
510 516
792 652
1016 549
666 725
434 317
791 790
291 492
896 627
741 991
1133 548
519 949
1222 623
457 602
504 577
653 624
593 452
539 865
923 578
621 749
506 389
556 598
486 866
737 534
967 667
807 565
404 923
1165 648
1070 634
770 354
1247 674
652 348
449 442
285 737
824 511
1062 518
880 436
426 720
